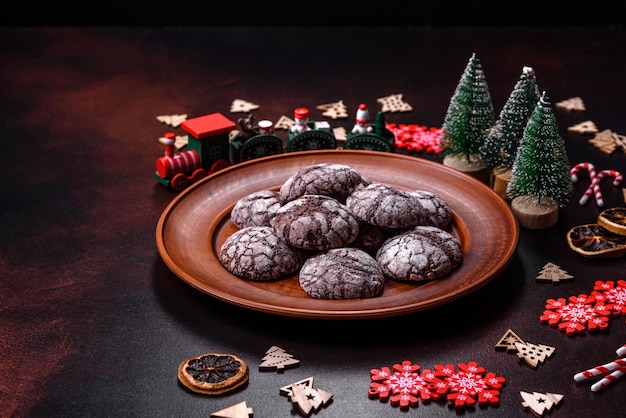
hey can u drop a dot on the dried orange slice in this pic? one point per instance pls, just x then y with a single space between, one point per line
595 241
213 374
613 219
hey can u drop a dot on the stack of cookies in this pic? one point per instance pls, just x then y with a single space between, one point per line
341 233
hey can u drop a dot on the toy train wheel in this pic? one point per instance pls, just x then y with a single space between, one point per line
219 165
197 175
178 182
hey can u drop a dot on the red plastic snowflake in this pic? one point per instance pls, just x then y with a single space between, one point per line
469 384
613 295
577 313
416 138
405 386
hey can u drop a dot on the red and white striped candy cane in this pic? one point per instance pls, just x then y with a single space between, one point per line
600 370
617 179
587 166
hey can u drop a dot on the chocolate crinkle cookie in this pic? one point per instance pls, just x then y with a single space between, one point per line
328 179
386 206
436 210
342 273
258 253
255 209
419 254
315 222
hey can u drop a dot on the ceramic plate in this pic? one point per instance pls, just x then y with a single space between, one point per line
196 223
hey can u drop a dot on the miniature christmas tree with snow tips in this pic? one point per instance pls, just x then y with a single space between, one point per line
469 118
540 181
500 147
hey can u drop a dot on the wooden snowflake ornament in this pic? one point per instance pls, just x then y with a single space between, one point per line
278 359
394 103
553 274
337 110
172 120
540 403
307 398
574 103
240 410
239 105
586 127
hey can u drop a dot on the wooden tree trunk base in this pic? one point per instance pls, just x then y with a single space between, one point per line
533 216
471 168
500 182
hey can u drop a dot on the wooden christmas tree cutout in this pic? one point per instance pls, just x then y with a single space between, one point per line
620 141
553 273
240 410
574 103
277 359
508 340
335 110
604 141
239 105
340 133
305 396
533 354
586 127
172 120
284 123
539 403
393 103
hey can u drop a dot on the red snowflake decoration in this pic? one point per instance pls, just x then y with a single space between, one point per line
612 294
469 384
416 138
405 386
577 313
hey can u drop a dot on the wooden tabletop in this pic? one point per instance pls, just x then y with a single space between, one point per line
94 323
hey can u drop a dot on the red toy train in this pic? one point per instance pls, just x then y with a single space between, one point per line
216 142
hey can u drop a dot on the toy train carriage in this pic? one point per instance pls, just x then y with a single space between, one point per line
252 141
380 139
318 136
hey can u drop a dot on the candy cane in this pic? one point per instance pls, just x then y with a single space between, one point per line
617 179
587 166
600 370
592 175
608 379
621 351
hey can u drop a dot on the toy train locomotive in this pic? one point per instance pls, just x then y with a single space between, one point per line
216 142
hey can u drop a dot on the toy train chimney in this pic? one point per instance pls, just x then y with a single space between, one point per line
169 139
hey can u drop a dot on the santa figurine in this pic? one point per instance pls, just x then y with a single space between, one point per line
362 125
301 119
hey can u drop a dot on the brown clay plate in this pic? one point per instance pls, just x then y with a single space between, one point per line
196 223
